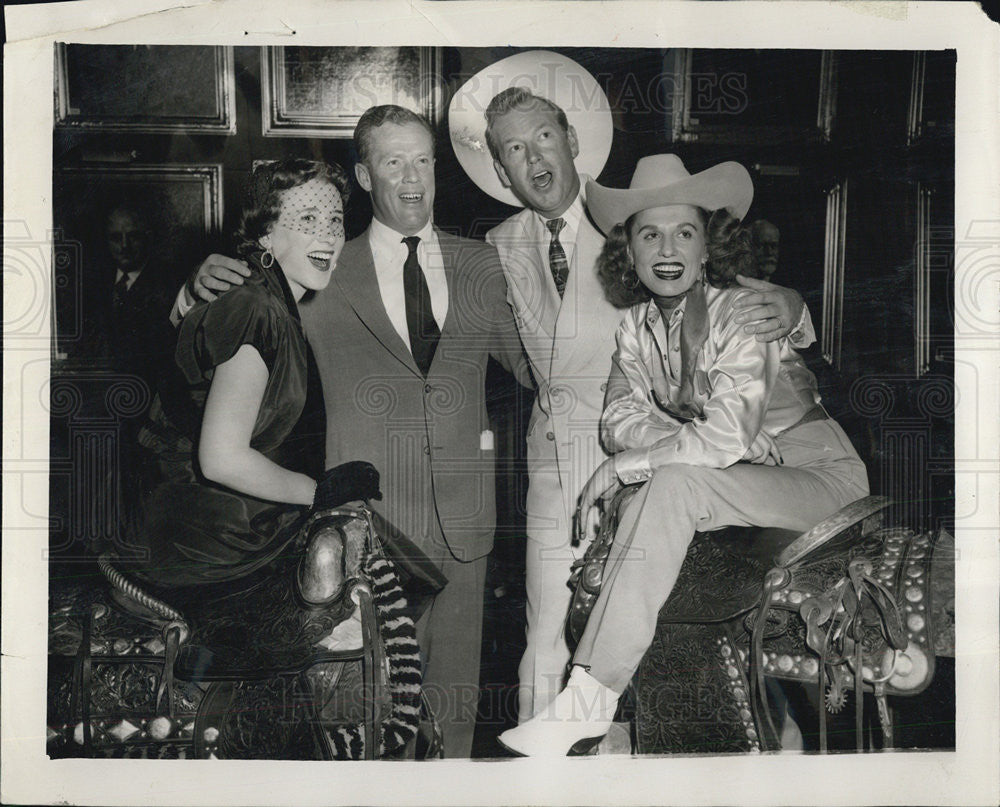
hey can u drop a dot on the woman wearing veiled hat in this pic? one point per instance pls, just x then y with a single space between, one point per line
220 478
724 430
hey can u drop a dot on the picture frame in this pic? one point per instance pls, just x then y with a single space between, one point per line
322 92
189 201
194 191
915 114
934 273
712 106
930 100
833 273
792 196
160 99
922 292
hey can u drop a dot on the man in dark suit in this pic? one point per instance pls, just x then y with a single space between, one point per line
135 297
402 337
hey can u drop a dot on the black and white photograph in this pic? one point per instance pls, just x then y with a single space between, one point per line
415 399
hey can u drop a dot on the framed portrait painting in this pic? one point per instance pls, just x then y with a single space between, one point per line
146 88
183 204
322 92
719 96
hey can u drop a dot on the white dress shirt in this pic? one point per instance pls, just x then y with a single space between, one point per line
389 253
567 236
132 277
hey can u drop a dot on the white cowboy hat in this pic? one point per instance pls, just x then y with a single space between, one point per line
549 75
662 179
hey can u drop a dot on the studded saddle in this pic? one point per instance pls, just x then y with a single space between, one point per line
846 609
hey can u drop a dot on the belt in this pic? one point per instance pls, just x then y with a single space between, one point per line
816 413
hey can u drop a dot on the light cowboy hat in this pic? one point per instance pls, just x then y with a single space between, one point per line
662 179
549 75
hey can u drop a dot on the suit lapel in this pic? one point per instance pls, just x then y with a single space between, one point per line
449 259
527 268
356 280
567 322
584 313
138 289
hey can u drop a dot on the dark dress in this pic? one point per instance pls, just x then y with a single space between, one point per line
183 530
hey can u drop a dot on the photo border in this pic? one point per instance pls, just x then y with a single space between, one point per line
967 776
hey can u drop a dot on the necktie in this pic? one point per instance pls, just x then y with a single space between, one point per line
557 255
118 292
423 329
694 334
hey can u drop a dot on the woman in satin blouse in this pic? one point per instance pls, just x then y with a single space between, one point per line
724 430
221 478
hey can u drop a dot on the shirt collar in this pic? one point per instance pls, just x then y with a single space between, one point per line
653 312
571 215
383 238
130 275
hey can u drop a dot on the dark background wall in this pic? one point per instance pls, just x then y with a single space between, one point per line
761 108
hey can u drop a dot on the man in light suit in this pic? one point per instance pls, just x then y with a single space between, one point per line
402 337
569 338
548 252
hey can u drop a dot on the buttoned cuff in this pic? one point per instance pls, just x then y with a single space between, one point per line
182 305
633 467
803 335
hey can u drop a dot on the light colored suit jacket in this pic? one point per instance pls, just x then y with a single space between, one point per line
425 436
569 343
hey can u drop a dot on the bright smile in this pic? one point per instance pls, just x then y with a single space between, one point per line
411 198
321 260
668 270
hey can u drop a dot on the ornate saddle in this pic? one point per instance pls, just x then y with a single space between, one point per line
846 607
239 674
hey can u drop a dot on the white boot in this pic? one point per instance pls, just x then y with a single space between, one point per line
575 721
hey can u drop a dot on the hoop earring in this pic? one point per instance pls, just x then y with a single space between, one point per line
267 259
633 284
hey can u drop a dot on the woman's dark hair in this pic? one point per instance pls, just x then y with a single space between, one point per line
729 254
262 201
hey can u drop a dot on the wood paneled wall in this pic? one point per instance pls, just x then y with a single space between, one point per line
879 123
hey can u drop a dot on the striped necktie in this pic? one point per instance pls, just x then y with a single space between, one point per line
558 264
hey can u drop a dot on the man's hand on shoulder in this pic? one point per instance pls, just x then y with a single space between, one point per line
216 275
767 310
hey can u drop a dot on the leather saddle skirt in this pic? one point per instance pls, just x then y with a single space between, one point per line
695 688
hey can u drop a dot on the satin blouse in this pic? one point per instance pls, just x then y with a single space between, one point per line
747 391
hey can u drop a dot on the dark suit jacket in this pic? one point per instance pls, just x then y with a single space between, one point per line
139 338
425 436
